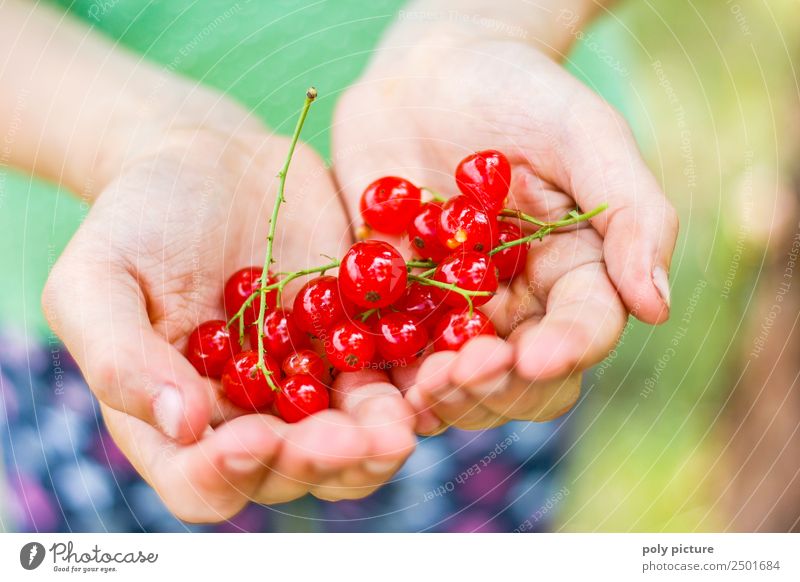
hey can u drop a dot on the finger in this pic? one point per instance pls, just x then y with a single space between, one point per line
602 163
385 418
316 449
404 377
542 401
207 481
386 422
436 391
583 322
483 368
98 310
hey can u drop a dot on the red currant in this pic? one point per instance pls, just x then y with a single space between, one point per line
464 226
389 204
245 385
281 335
401 337
304 362
457 327
512 260
485 177
470 271
422 233
319 305
241 285
350 346
372 274
301 396
419 301
210 348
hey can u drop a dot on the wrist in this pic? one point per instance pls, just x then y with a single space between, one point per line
162 113
550 26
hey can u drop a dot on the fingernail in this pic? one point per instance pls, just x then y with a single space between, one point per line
379 467
661 281
244 464
168 410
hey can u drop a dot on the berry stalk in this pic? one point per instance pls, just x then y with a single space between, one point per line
546 227
311 94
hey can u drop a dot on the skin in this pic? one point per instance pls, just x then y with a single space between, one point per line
437 91
182 181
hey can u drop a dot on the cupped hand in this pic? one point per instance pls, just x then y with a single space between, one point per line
148 265
421 108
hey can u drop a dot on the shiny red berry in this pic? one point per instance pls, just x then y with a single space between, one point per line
372 274
457 327
305 362
301 396
319 305
350 346
241 285
464 226
400 338
470 271
419 301
512 260
245 385
281 335
389 204
210 347
486 178
423 233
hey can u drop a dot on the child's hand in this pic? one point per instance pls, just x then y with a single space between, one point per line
425 104
149 263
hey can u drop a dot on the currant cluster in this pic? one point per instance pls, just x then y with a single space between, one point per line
380 311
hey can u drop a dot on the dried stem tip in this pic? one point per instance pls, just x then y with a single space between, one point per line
311 93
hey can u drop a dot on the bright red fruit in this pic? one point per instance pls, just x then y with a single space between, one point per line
301 396
470 271
319 305
486 178
304 362
422 233
210 347
245 385
401 337
350 347
241 285
389 204
457 327
372 274
281 335
419 301
511 261
464 226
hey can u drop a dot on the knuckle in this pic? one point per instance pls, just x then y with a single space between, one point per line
102 375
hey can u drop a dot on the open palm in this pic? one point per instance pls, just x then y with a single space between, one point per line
149 264
416 112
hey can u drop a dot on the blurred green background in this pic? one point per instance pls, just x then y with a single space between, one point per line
708 87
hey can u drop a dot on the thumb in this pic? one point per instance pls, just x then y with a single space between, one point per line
99 312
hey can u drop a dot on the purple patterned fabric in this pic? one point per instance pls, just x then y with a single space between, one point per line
64 473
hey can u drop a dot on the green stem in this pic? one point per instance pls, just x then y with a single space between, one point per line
311 94
547 227
426 264
466 294
291 276
436 196
369 313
